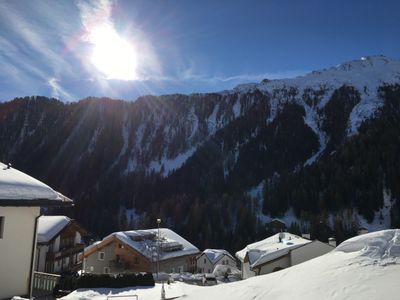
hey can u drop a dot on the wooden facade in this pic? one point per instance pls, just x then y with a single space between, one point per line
119 257
64 251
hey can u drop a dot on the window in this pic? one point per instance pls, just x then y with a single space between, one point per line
205 261
106 270
136 260
101 256
1 227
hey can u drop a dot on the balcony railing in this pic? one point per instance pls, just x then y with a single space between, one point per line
45 281
119 265
78 248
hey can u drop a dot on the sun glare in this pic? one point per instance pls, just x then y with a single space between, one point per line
112 55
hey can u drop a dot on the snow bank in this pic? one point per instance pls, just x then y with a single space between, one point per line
380 247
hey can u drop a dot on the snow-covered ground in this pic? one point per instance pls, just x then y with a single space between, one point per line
364 267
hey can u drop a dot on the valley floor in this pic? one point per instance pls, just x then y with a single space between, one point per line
364 267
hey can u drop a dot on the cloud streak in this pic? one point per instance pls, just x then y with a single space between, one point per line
58 91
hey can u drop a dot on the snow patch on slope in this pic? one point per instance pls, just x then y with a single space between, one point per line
212 121
382 218
311 120
256 194
364 110
165 165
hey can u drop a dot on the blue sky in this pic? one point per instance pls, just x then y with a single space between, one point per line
182 46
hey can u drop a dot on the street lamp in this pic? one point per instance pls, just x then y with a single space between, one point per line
158 247
158 259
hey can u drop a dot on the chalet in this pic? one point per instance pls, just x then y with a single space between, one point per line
21 197
275 226
141 251
210 258
362 230
59 244
277 252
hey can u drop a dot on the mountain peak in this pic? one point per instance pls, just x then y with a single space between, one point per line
367 62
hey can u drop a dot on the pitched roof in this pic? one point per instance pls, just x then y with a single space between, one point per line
270 248
214 255
146 242
50 226
20 189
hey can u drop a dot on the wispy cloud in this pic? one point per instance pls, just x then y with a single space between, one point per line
57 91
31 46
241 78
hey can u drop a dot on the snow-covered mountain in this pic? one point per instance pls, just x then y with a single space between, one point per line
364 267
182 155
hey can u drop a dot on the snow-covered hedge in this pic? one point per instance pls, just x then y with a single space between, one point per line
72 282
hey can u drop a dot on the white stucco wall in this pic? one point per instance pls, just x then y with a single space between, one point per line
94 265
16 249
228 261
246 272
309 251
283 262
203 264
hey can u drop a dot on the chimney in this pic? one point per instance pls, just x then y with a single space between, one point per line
281 236
332 241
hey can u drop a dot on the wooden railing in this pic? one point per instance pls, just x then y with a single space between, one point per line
45 281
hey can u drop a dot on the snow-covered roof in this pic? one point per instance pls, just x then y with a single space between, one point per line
146 242
214 255
271 248
49 226
18 188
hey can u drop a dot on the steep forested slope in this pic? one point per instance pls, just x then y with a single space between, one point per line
325 144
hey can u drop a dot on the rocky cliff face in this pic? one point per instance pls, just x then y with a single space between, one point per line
195 159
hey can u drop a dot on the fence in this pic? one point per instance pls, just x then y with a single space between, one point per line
122 296
45 281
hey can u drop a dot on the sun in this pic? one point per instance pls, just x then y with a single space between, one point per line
112 55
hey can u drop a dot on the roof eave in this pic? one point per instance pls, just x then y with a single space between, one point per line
66 202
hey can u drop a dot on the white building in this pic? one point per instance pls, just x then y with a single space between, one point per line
59 244
210 258
277 252
21 197
141 251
